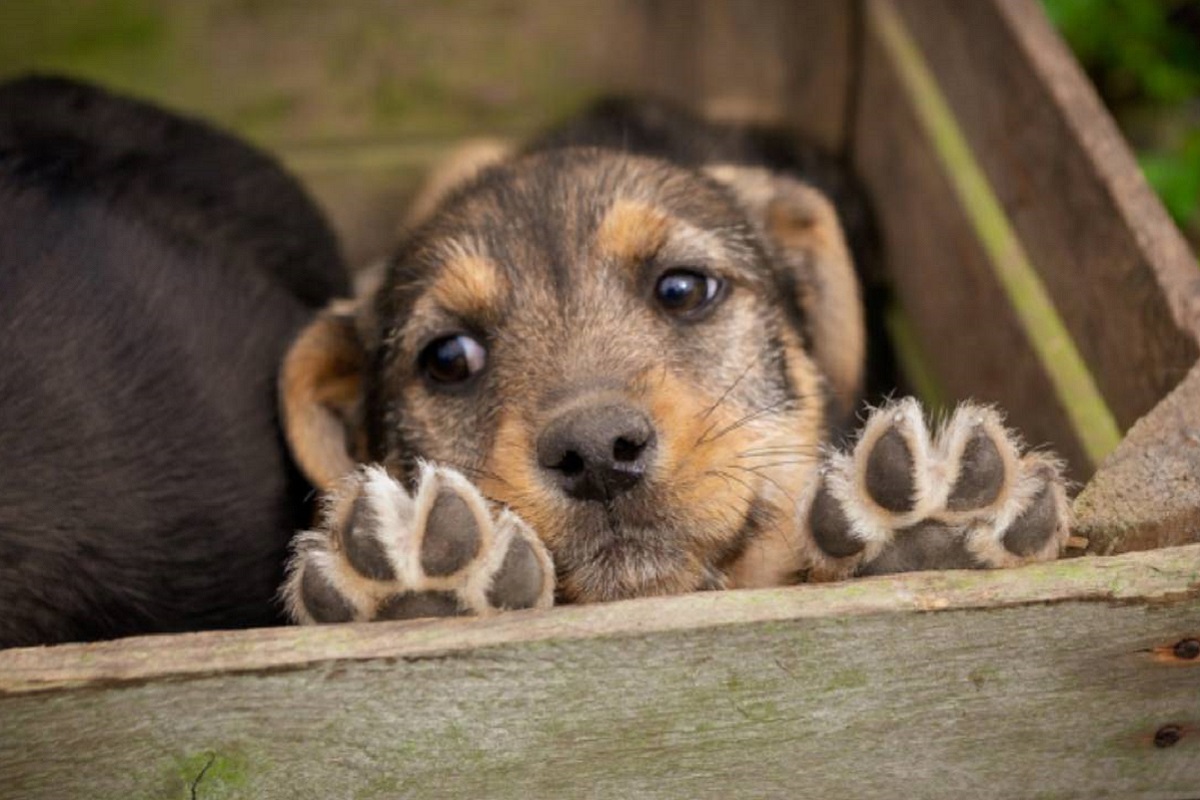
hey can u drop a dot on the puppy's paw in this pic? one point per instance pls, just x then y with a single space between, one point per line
903 500
381 553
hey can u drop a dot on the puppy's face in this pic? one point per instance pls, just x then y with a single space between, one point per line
600 343
621 351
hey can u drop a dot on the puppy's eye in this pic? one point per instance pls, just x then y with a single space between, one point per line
685 291
452 359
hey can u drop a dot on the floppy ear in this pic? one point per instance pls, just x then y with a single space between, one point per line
801 227
461 165
321 381
320 391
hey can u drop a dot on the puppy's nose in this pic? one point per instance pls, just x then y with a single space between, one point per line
597 452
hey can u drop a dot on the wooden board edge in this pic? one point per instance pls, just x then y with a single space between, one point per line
929 240
738 62
1156 577
1162 244
1119 272
1147 493
1091 418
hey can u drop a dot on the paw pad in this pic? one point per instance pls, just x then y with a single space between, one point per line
452 535
830 527
890 475
981 474
381 553
1029 532
322 600
412 605
363 548
904 499
518 582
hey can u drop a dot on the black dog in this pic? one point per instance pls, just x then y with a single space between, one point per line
152 273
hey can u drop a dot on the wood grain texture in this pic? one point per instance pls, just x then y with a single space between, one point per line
331 72
940 271
1119 272
773 61
1051 680
349 92
1147 493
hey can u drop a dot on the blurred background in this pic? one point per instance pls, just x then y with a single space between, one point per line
358 97
1144 57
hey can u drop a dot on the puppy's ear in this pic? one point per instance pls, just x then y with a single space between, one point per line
461 165
320 389
800 226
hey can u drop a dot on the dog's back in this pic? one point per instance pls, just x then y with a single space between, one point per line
152 273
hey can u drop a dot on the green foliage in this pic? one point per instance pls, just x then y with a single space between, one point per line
1175 175
1137 49
1144 56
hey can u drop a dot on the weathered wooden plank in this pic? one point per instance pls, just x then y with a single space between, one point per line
322 71
349 90
773 61
364 199
140 659
960 317
1119 272
1147 493
1053 680
732 58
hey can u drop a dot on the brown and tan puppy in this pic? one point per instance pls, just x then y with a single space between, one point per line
608 367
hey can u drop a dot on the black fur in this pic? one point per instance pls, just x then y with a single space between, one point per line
152 274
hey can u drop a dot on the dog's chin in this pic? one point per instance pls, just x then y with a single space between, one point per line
619 563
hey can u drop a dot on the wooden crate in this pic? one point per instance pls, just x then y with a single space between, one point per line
1032 268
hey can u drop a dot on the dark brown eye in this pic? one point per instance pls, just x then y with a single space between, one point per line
685 291
452 359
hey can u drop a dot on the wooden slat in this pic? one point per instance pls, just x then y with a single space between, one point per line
1052 680
356 87
1091 419
365 190
959 315
1118 271
1147 494
331 71
774 61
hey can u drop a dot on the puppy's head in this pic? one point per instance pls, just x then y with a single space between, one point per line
638 358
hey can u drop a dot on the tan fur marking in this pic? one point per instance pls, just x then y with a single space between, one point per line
319 388
700 466
774 558
797 225
632 231
804 221
550 515
512 461
721 471
714 461
803 226
470 286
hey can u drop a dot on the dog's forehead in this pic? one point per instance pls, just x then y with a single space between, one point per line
567 221
570 189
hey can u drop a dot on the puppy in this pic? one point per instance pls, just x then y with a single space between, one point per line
610 366
152 274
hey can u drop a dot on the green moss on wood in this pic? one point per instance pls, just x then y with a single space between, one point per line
212 774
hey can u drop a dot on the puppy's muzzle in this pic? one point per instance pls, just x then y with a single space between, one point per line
596 452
